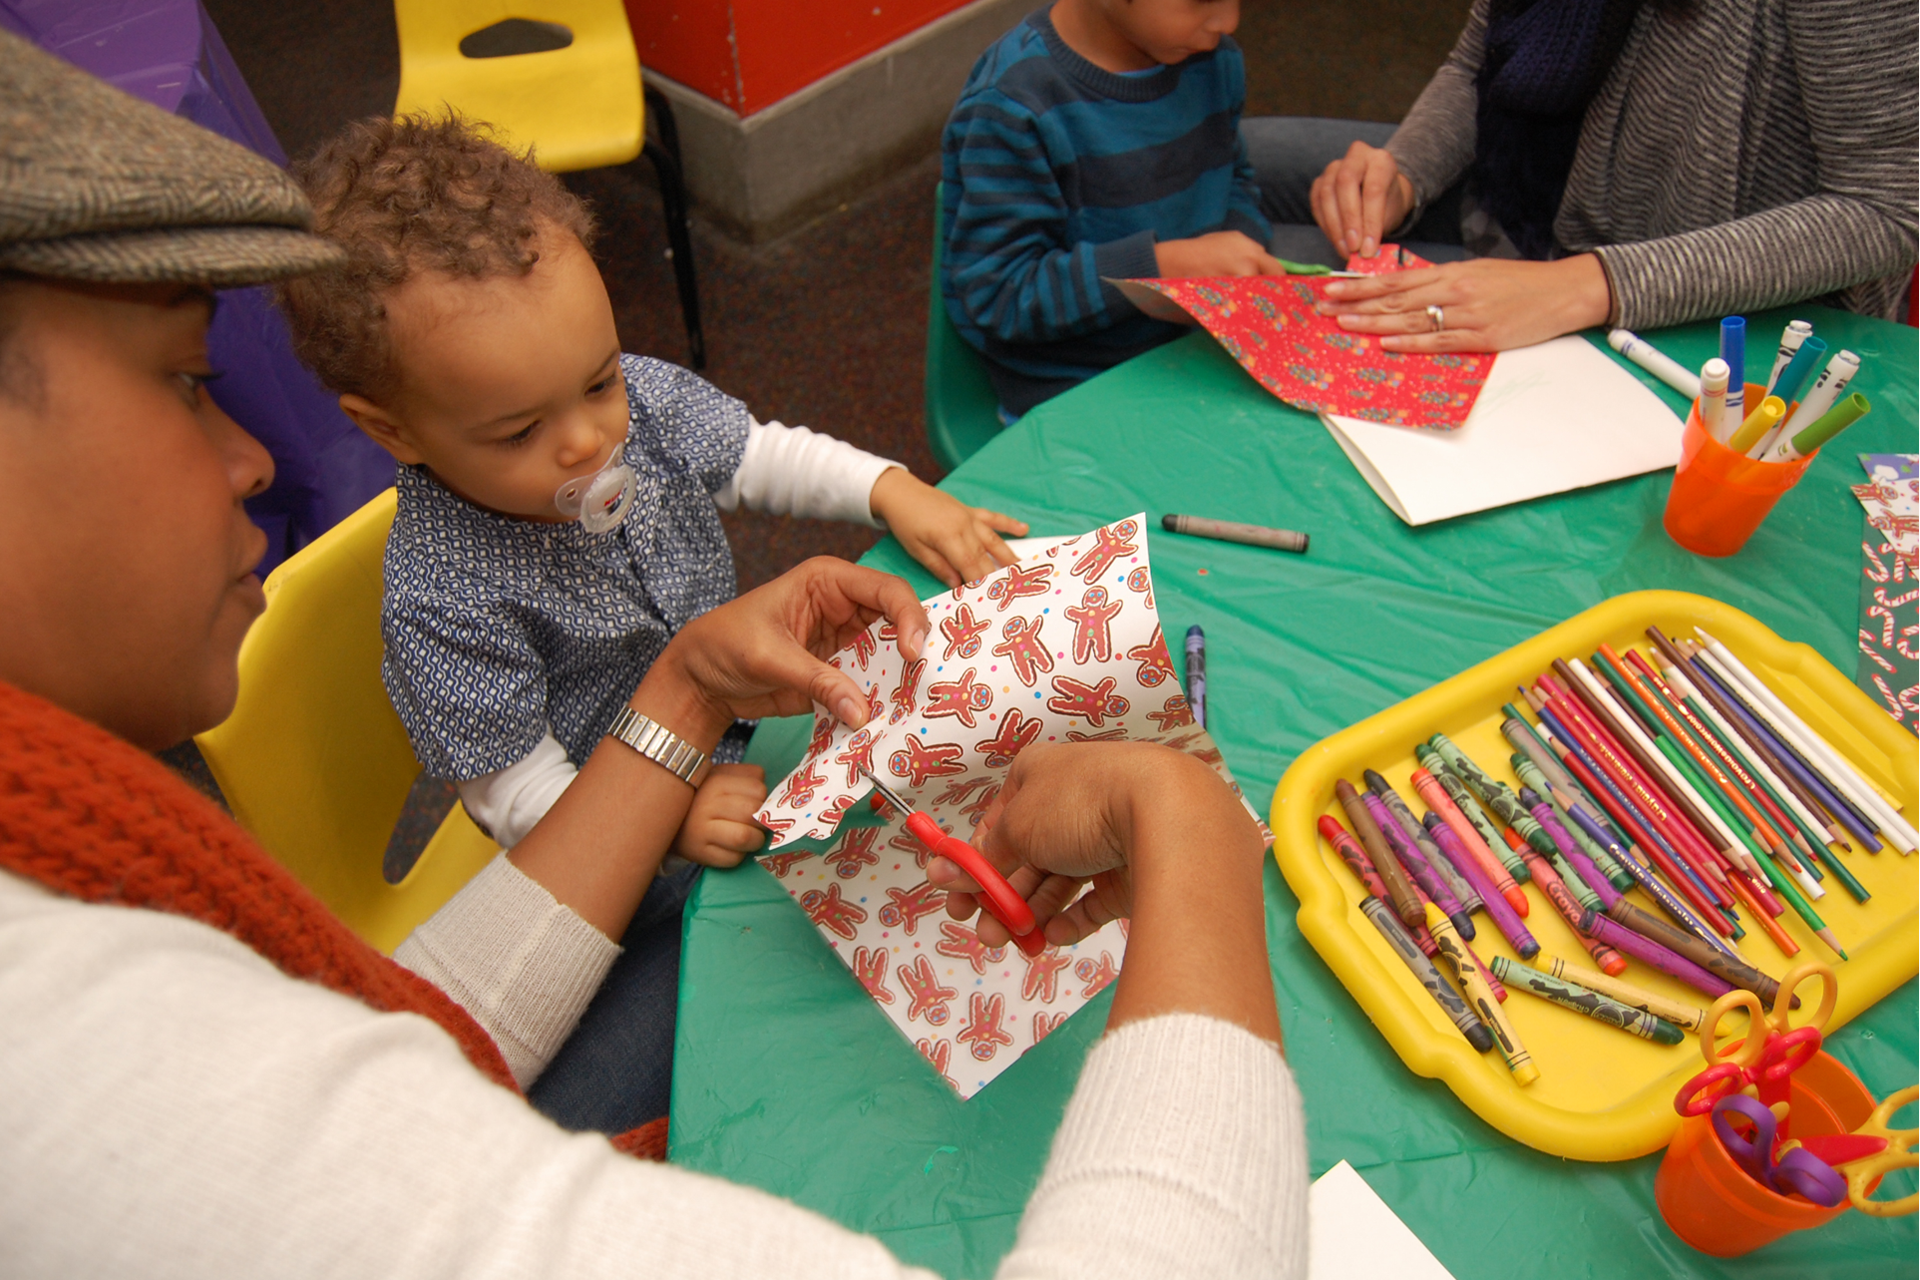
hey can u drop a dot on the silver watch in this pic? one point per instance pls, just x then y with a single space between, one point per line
661 745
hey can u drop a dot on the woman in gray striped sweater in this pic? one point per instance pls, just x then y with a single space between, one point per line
1632 162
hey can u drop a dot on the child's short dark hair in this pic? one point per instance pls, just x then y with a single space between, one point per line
405 196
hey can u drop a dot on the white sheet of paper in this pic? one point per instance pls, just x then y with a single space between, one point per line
1552 417
1355 1236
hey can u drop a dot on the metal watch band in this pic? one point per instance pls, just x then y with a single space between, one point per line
661 745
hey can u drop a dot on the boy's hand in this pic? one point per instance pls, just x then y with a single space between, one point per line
719 829
1219 253
957 543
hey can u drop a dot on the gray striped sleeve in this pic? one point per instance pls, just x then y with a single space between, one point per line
1434 144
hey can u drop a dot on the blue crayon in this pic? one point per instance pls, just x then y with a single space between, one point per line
1197 675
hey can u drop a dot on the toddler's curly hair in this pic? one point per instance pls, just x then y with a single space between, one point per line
405 196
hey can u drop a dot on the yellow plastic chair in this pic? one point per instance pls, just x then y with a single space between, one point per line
313 760
560 76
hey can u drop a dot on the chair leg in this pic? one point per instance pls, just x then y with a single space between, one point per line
660 111
673 196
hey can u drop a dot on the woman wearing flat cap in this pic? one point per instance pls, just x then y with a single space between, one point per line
205 1073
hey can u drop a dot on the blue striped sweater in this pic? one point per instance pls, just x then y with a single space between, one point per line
1057 173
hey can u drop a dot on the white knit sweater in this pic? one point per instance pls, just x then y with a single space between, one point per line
172 1105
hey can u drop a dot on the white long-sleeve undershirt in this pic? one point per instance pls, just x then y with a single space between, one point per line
784 470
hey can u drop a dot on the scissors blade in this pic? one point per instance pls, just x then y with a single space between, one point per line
891 796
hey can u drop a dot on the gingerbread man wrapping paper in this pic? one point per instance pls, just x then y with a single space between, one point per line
1062 647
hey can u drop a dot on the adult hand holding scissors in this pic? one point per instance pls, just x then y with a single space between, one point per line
1090 833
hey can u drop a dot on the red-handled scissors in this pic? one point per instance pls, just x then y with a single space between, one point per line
1771 1051
1006 905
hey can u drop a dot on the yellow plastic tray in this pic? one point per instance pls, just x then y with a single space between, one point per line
1602 1094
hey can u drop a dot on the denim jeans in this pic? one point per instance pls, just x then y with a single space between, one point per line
615 1072
1289 152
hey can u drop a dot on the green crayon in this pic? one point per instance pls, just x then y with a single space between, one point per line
1497 796
1530 774
1470 809
1571 995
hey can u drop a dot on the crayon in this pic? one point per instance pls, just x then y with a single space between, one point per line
1406 903
1563 833
1429 977
1461 889
1574 856
1416 863
1470 809
1252 535
1475 982
1496 872
1601 1008
1727 969
1548 881
1356 858
1650 953
1494 795
1504 917
1645 878
1197 675
1680 1014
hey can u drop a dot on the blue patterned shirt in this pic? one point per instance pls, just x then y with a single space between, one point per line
498 629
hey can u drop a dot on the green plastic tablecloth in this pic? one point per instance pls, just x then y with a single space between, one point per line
788 1078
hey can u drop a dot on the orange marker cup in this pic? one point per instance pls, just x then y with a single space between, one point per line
1719 497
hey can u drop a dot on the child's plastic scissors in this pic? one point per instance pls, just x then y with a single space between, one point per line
1315 269
1771 1051
1794 1171
1868 1152
1005 904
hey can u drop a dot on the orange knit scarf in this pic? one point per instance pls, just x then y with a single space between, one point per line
91 816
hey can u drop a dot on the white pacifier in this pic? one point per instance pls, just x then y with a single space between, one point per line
600 499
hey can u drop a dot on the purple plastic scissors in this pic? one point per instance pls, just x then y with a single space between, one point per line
1798 1170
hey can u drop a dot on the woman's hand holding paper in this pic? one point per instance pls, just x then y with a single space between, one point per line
1487 304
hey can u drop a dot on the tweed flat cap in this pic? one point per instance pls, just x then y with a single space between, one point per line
98 185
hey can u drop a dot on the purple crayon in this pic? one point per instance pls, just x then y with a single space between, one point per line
1504 916
1651 953
1570 848
1416 835
1417 866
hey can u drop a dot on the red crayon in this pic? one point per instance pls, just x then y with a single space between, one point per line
1496 872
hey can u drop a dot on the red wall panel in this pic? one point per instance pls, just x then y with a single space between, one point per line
749 54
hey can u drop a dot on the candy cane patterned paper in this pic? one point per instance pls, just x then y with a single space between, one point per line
1269 325
1063 647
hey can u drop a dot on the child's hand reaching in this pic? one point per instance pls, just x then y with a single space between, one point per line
957 543
719 829
1219 253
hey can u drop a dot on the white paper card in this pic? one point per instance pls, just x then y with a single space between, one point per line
1354 1235
1552 417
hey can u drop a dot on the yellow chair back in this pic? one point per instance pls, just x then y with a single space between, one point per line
579 107
313 760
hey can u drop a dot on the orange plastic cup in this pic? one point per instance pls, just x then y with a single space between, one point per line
1719 497
1712 1203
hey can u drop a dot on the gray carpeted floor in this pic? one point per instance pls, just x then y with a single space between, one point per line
826 327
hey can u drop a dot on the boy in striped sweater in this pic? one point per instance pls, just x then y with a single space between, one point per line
1098 140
